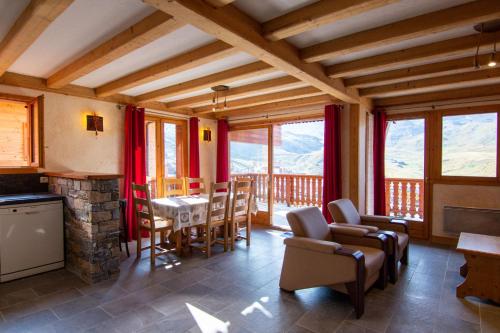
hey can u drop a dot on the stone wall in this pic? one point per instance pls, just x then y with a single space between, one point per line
92 222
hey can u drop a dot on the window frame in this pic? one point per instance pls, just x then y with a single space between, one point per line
182 150
473 180
36 154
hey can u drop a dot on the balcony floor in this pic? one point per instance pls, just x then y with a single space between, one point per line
279 213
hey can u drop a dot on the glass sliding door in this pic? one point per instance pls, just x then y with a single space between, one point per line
249 158
297 167
166 151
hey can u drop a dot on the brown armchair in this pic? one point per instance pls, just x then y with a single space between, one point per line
343 211
313 258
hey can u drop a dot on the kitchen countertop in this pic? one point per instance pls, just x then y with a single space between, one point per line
16 199
83 175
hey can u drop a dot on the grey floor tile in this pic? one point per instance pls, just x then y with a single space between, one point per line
82 321
490 320
18 296
78 305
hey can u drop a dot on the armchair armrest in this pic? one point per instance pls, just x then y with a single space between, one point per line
385 223
315 245
347 230
375 218
370 228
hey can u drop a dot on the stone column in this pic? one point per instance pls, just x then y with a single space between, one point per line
92 226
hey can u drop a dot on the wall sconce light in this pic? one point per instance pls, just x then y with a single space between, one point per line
95 123
207 135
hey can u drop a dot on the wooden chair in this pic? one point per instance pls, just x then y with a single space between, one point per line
199 189
217 216
148 222
174 187
240 209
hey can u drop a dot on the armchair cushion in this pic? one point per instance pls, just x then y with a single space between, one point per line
374 258
309 222
343 211
345 230
370 228
313 244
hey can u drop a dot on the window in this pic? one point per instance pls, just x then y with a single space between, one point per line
166 151
469 145
20 133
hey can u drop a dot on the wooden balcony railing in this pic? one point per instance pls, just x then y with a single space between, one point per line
404 198
289 189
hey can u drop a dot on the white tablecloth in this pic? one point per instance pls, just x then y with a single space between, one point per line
186 211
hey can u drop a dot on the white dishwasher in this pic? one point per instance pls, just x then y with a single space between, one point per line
31 239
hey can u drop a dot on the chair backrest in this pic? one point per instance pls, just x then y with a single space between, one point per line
198 186
218 202
343 211
242 198
309 222
174 187
142 204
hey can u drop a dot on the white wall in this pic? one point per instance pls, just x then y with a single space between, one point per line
67 143
208 151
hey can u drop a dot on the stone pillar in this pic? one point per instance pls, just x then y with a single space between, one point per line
92 226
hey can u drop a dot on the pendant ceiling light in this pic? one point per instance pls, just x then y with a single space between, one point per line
490 27
219 92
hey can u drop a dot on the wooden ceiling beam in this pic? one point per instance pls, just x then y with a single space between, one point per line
440 82
264 99
142 33
276 106
238 29
454 66
238 92
194 58
33 21
419 26
229 75
462 93
315 15
430 52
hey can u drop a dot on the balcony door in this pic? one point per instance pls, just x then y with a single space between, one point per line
250 157
406 170
166 151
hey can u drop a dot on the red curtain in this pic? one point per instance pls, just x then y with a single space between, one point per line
379 131
194 149
332 172
222 174
135 161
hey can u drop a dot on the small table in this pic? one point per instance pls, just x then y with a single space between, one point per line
482 267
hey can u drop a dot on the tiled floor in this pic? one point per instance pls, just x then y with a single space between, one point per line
238 292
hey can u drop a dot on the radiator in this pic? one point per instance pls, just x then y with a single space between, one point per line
473 220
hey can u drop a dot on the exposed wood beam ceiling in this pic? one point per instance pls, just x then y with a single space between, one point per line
481 91
28 27
264 99
233 74
197 57
270 108
429 52
435 82
419 26
238 92
142 33
417 72
236 28
315 15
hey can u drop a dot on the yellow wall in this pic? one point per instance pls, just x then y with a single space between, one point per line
68 145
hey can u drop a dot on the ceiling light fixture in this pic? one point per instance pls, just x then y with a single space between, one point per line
218 92
490 27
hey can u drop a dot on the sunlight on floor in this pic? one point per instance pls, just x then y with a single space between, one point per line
206 322
257 306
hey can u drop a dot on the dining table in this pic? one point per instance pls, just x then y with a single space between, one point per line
188 211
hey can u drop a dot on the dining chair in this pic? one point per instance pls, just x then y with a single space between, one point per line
146 221
198 186
173 187
217 216
240 210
